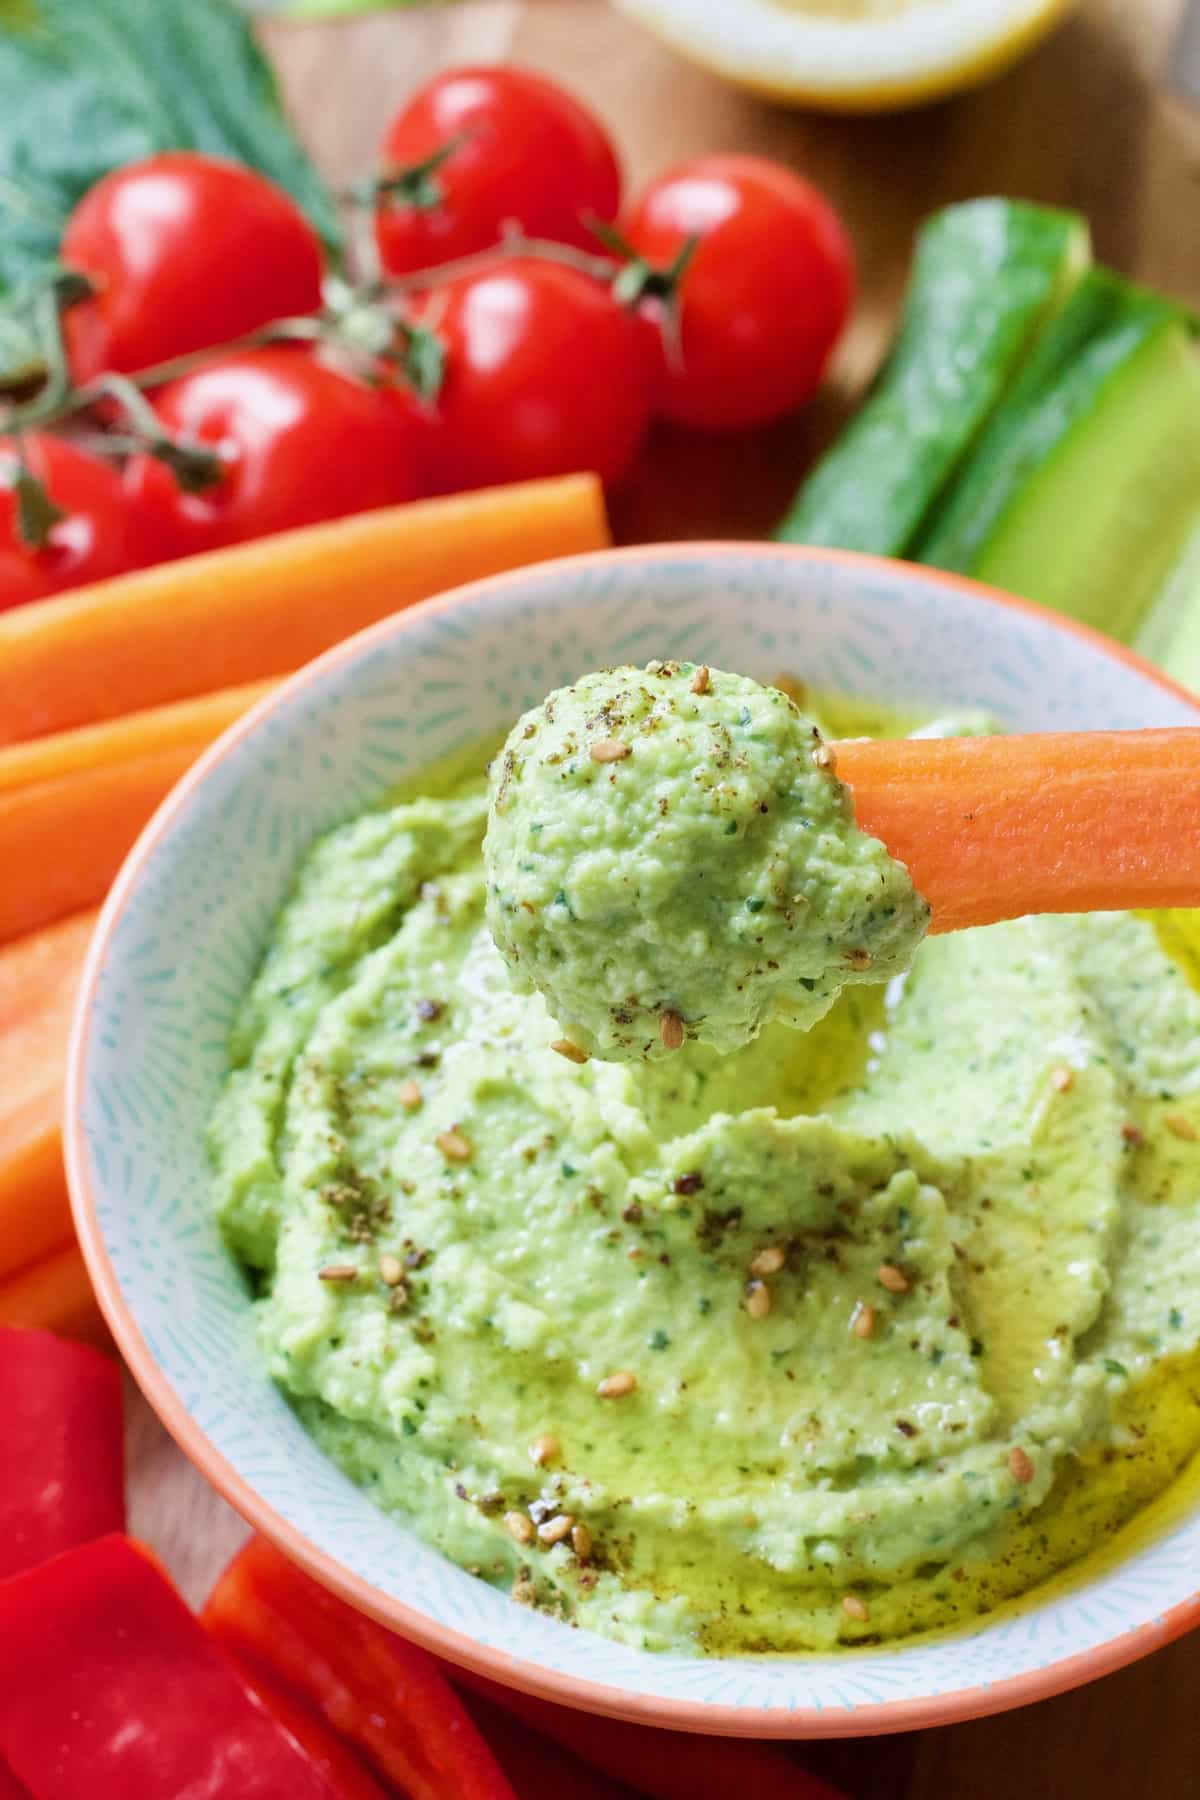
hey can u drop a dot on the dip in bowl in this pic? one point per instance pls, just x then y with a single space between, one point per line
747 1480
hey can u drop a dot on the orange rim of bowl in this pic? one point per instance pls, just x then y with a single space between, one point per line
569 1690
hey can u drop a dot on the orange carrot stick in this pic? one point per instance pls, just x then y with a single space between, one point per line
38 978
89 747
261 609
994 827
61 842
71 804
55 1295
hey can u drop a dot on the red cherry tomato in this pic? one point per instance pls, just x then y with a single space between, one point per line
299 442
763 299
102 534
187 251
545 373
522 149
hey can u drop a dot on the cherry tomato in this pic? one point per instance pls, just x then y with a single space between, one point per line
545 373
299 442
187 251
102 534
518 148
763 299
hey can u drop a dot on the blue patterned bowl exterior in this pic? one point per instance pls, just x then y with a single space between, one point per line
179 942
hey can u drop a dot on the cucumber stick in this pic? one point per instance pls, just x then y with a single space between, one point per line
1084 486
988 277
1170 633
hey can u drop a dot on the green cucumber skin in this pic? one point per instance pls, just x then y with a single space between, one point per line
986 276
1104 325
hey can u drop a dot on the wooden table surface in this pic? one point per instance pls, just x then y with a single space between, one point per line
1087 122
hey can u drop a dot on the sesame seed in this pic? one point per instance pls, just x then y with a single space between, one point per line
610 750
768 1261
1180 1127
545 1449
523 1590
758 1299
670 1030
1133 1134
338 1272
855 1609
700 681
859 959
454 1146
862 1322
1062 1079
391 1270
824 757
1020 1467
518 1527
573 1052
892 1278
410 1095
581 1542
616 1386
553 1531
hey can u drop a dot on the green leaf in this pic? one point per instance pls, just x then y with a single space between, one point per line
424 361
86 85
36 512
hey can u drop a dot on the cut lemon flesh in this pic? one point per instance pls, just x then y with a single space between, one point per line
851 55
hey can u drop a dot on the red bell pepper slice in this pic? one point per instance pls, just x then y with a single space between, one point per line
61 1453
10 1787
385 1695
111 1690
666 1765
538 1769
348 1774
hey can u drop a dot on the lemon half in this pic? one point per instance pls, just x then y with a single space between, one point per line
851 55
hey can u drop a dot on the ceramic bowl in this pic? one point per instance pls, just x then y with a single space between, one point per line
179 940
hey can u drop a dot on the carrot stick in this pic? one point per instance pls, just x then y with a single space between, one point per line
994 827
55 1295
88 747
63 841
35 1209
72 804
38 978
261 609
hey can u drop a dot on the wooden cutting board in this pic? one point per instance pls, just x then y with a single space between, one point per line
1085 122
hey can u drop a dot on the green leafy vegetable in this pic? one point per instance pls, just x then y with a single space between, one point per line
87 85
